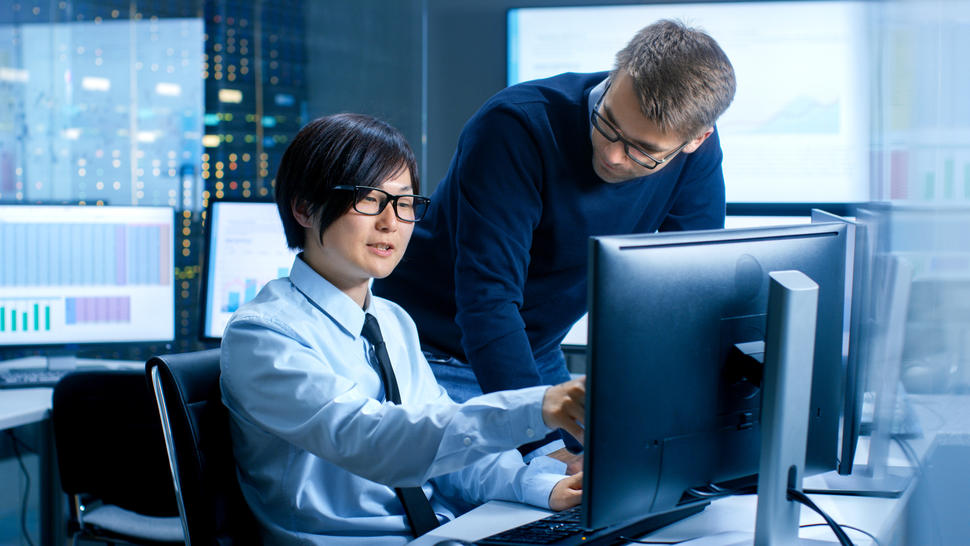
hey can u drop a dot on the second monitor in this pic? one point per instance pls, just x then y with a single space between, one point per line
246 248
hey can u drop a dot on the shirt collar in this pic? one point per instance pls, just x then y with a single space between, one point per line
328 298
594 96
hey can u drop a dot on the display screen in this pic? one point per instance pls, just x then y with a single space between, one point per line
798 129
86 274
246 250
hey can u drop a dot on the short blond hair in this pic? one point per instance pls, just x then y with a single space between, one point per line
682 78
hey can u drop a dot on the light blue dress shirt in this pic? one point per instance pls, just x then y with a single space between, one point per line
319 451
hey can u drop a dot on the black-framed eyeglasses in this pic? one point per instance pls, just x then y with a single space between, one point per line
372 201
633 151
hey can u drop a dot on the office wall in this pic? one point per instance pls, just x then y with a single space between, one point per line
365 56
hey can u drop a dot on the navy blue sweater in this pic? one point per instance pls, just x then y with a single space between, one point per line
496 273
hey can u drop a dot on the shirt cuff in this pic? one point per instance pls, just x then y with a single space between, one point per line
544 450
538 488
535 426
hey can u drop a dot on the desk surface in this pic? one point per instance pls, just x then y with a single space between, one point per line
24 406
731 520
726 521
31 405
27 406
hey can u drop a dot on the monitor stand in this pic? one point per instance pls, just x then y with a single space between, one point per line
887 483
889 405
786 399
876 478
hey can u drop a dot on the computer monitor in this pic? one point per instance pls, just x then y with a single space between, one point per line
86 274
858 283
246 248
803 73
673 394
878 285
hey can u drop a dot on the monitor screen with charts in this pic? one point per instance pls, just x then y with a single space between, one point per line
246 249
801 110
86 274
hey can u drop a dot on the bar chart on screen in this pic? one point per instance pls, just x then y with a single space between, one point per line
238 291
940 173
78 274
246 249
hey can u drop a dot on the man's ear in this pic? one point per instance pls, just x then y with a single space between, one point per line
299 209
696 143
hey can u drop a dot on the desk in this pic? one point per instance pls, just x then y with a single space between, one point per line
731 520
24 406
726 521
20 407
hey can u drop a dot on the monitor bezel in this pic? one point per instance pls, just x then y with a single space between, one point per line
76 346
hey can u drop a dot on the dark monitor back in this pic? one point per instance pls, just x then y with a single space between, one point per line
665 412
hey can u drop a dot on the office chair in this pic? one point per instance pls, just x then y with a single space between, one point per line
111 459
196 429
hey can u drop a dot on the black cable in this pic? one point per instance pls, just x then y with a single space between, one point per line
796 495
23 504
714 491
717 488
844 526
699 493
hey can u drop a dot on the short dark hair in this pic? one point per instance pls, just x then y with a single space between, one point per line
682 78
352 149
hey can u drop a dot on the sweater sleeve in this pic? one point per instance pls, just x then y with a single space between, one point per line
498 169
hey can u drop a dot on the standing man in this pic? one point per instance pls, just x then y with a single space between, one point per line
496 273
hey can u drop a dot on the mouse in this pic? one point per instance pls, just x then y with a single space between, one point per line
452 542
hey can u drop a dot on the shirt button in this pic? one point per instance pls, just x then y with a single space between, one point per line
467 441
530 433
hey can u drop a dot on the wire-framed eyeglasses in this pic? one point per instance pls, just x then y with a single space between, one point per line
612 134
372 201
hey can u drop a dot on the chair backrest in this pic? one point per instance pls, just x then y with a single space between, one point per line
196 429
109 441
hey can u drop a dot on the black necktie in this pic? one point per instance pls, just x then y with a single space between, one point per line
416 506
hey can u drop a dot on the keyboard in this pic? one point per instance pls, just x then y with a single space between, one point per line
548 530
565 529
27 378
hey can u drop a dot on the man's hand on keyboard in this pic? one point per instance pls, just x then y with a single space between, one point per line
564 406
568 492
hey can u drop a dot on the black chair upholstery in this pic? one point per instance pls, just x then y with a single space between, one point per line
112 458
196 428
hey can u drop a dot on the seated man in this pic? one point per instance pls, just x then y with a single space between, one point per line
339 429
